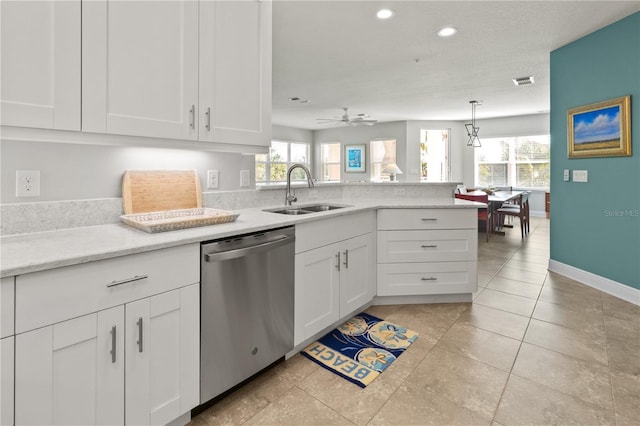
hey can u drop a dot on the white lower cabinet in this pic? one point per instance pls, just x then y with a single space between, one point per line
110 342
162 356
427 252
335 279
66 374
317 291
6 380
74 372
356 273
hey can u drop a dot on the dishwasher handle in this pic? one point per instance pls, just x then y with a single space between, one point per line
273 242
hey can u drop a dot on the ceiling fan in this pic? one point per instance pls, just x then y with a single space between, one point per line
361 119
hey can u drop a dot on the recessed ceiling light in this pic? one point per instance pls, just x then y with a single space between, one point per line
447 32
384 14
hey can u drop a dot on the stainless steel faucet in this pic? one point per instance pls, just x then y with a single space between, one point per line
290 197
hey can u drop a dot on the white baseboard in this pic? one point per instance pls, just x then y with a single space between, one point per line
432 298
538 213
614 288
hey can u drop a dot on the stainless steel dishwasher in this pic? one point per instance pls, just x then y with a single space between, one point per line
246 307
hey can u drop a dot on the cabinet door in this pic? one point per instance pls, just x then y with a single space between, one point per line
357 278
162 346
140 68
235 72
40 64
317 291
67 373
6 381
7 306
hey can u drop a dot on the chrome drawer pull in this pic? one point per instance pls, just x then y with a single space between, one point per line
428 279
338 261
128 280
429 218
139 342
346 259
429 246
113 345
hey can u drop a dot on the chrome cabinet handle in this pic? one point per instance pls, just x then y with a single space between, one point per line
113 345
128 280
139 342
192 117
429 218
428 279
207 115
338 261
429 246
346 258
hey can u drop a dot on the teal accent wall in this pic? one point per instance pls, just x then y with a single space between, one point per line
595 226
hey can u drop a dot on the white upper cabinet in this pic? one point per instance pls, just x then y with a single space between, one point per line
40 83
140 68
235 72
178 69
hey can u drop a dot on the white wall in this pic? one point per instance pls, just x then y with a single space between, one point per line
524 125
76 172
457 147
290 134
348 135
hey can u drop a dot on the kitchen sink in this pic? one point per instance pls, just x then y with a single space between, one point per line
311 208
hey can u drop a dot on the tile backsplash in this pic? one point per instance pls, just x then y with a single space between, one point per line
23 218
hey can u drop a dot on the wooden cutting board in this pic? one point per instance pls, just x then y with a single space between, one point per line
146 191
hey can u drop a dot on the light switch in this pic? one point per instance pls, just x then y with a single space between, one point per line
566 175
213 181
580 176
244 178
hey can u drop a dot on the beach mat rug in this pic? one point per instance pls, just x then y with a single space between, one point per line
361 348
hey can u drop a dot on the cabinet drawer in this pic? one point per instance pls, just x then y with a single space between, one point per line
399 279
391 219
427 246
48 297
322 232
6 306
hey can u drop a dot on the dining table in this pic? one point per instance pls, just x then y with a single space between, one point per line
496 200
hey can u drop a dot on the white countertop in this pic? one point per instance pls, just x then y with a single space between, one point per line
21 254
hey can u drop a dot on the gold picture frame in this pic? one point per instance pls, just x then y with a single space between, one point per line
602 129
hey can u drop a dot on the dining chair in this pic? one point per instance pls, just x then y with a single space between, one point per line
519 210
484 214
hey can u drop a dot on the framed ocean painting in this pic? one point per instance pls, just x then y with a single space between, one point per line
602 129
354 158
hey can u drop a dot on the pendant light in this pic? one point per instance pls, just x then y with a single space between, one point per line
472 129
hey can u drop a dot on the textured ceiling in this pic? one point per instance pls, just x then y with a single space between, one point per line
338 54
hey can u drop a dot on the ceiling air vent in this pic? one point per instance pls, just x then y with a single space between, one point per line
521 81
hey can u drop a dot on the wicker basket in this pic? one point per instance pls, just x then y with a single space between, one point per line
172 220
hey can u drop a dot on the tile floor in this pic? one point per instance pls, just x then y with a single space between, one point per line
534 348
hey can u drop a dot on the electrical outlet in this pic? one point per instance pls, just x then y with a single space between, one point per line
566 175
244 178
27 183
213 179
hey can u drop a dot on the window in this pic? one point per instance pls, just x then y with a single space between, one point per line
330 161
434 155
273 167
521 162
381 153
